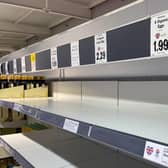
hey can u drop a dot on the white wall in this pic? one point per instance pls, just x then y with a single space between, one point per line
111 92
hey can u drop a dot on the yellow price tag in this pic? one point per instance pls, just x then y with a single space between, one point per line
33 57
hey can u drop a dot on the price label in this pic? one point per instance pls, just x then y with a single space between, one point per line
33 61
156 153
33 57
17 107
71 125
75 53
23 65
54 64
159 35
100 48
14 66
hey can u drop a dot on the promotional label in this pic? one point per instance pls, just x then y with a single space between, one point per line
54 63
156 153
71 125
14 66
75 53
33 61
159 35
23 65
100 48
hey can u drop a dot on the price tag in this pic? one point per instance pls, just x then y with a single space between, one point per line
54 64
100 48
71 125
33 61
17 107
159 35
14 66
156 153
23 65
75 53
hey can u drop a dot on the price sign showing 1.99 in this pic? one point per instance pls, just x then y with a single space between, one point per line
159 35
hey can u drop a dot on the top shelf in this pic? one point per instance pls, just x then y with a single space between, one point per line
127 127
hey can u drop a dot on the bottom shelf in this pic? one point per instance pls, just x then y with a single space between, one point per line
59 149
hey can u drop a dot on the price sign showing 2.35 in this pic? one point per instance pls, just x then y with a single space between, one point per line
100 48
159 35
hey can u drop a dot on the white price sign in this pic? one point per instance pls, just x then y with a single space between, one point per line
159 35
14 66
6 67
23 64
54 58
156 153
71 125
75 53
100 48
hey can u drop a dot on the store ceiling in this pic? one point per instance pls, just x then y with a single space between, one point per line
24 22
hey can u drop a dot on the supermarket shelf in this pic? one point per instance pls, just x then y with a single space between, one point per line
61 150
100 124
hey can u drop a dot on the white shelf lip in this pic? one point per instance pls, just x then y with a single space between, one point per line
131 144
30 153
19 158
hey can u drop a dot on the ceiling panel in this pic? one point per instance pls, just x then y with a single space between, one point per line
11 13
16 17
13 35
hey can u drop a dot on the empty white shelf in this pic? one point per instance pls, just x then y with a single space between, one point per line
126 127
136 118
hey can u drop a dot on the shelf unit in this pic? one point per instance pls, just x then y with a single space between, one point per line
61 150
129 126
86 120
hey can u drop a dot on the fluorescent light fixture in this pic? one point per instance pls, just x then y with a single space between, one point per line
124 7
